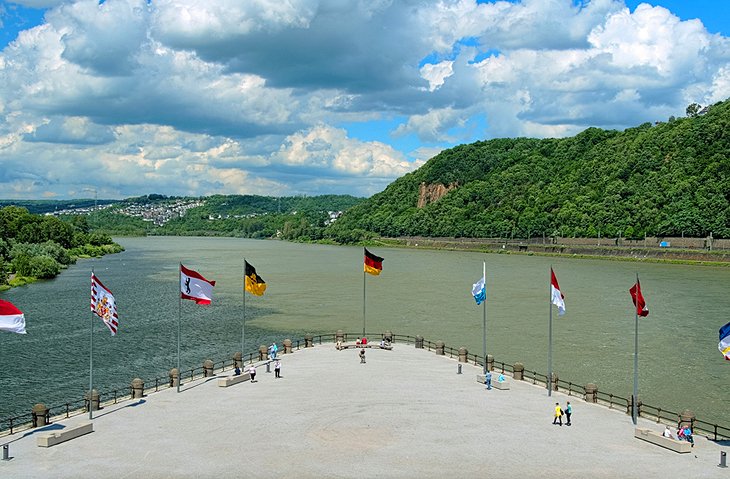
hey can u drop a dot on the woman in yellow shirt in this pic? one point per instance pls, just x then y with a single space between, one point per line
558 415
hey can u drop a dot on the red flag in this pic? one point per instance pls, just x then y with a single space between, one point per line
556 296
638 299
11 318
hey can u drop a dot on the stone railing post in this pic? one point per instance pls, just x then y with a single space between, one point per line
518 371
440 348
39 415
308 341
263 353
174 377
630 405
490 362
137 387
463 355
419 342
208 368
591 393
388 336
687 418
238 360
555 381
287 346
94 400
340 336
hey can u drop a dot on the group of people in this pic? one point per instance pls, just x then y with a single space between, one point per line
684 433
273 350
488 379
559 412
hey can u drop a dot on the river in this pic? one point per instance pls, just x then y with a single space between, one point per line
319 289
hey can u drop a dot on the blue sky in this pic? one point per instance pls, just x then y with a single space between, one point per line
183 97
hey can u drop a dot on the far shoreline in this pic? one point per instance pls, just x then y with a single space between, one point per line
631 253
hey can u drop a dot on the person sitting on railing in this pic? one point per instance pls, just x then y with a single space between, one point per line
364 340
500 378
667 432
237 371
338 345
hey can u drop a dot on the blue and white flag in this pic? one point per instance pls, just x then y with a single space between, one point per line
724 344
479 291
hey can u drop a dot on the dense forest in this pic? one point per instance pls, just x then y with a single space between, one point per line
34 246
667 179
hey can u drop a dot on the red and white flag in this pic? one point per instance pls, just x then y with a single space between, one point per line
11 318
556 297
103 304
194 286
638 299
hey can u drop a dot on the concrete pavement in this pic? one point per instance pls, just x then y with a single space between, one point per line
403 414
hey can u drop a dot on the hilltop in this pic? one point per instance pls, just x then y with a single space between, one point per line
667 179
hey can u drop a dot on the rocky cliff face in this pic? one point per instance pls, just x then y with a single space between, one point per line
430 193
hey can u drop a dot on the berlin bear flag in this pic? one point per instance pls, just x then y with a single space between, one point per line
193 286
11 318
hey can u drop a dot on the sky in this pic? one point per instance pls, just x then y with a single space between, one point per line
123 98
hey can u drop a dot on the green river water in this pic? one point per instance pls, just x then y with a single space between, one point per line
319 289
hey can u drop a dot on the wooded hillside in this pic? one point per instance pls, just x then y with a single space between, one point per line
668 179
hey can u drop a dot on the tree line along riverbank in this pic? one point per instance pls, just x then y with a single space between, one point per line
34 247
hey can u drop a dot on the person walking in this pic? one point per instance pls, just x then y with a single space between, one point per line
252 373
568 412
558 419
277 369
362 356
488 379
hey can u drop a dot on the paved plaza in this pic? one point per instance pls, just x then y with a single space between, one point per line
406 413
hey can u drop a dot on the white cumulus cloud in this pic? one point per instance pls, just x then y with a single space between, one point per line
275 97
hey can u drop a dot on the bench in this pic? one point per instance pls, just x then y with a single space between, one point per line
57 437
654 437
226 381
368 345
504 385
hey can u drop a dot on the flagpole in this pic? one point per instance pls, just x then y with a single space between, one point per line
179 314
550 336
484 319
243 323
636 358
91 361
363 302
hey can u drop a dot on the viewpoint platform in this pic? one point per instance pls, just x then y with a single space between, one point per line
404 413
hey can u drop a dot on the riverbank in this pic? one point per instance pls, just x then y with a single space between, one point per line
619 253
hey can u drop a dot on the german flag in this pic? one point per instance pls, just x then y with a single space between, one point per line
373 264
253 283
